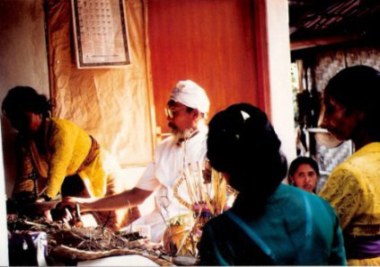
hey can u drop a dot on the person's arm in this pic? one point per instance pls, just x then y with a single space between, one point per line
129 198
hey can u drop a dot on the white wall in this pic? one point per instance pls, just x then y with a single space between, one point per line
3 222
280 79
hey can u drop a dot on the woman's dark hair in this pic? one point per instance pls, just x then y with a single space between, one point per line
303 160
25 99
357 88
299 161
242 142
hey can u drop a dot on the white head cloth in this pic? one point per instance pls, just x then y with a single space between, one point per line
191 95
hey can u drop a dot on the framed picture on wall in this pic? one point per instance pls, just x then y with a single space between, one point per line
100 33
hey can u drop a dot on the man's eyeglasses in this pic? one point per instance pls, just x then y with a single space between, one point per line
171 112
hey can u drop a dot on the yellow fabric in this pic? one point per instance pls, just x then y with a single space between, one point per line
364 262
70 145
353 190
67 147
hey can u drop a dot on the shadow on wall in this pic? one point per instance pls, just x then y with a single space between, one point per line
9 155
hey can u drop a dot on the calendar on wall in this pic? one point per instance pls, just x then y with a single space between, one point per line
100 33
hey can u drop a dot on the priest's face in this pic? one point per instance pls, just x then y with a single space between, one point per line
180 118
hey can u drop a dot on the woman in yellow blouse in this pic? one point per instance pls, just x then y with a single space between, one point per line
56 156
352 111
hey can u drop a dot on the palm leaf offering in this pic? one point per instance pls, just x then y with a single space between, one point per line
205 193
200 195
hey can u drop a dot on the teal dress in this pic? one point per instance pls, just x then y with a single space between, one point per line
294 228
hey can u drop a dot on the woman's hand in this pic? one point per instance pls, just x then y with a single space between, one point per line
65 215
68 210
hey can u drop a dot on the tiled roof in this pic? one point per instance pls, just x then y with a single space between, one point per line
311 19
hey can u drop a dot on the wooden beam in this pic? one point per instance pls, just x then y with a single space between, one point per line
322 41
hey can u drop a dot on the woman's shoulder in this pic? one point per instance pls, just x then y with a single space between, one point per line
62 122
59 125
288 192
63 129
291 197
286 200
